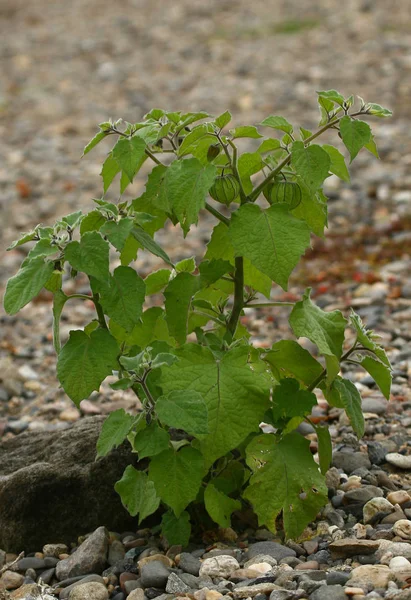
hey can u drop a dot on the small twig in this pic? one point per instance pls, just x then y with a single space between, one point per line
7 566
217 214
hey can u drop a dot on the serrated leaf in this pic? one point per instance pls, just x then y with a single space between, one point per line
114 431
137 493
289 401
176 530
272 239
129 251
187 265
291 359
286 479
325 449
367 339
90 255
354 134
245 132
219 506
278 123
26 284
23 239
117 232
151 441
378 111
236 397
149 244
312 209
152 327
94 141
154 197
130 154
109 170
43 248
157 281
325 329
184 409
351 400
85 361
326 109
269 146
192 139
55 282
212 270
177 476
92 222
163 359
249 163
223 120
122 297
72 220
333 96
231 478
178 295
380 373
372 147
337 166
305 133
311 164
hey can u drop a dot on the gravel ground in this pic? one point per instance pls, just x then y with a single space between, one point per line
69 66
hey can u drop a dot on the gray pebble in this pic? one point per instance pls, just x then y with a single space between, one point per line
337 577
47 575
30 562
189 563
154 574
336 592
349 461
175 585
272 549
65 593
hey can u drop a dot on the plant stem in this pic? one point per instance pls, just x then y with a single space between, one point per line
243 195
142 382
322 375
100 314
238 295
256 192
211 317
217 214
153 157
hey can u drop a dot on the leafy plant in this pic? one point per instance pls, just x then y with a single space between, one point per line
203 401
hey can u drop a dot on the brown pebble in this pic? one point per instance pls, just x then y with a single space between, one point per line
134 544
126 577
63 556
160 557
310 565
310 546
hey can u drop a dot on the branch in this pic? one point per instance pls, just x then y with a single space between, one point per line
322 375
217 214
238 295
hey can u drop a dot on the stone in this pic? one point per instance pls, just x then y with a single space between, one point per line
350 461
402 528
372 404
250 591
90 556
282 595
167 562
273 549
399 460
116 552
136 595
154 574
10 580
126 577
261 558
376 575
374 507
220 566
351 547
326 592
401 567
30 562
337 577
175 585
189 563
75 581
54 550
207 594
65 488
398 497
89 591
363 494
25 592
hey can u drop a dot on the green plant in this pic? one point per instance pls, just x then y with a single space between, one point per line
203 402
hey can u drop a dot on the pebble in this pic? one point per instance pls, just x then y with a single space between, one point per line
399 460
89 591
220 566
401 567
10 580
399 497
189 563
363 494
207 594
350 461
90 556
136 595
30 562
352 546
374 507
376 575
250 591
25 592
66 591
337 577
273 549
175 585
328 592
154 574
55 550
116 552
402 528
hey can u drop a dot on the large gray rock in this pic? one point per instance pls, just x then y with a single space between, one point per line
90 557
52 488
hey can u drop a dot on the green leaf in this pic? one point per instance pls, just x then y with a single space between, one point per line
186 186
333 96
223 120
117 232
184 409
368 339
377 110
26 284
354 134
130 155
109 170
163 359
85 361
291 359
312 209
92 222
337 166
191 140
212 270
130 251
93 142
231 478
236 396
219 506
333 368
137 493
289 401
245 132
177 476
114 431
72 220
286 479
305 133
269 145
151 441
149 244
249 163
372 147
176 530
152 327
278 123
187 265
351 400
272 239
326 109
23 239
325 449
59 300
43 248
90 255
153 198
311 164
178 296
157 281
380 373
55 282
325 329
122 297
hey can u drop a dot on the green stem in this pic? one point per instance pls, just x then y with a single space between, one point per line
142 382
238 295
257 191
243 195
217 214
153 157
99 310
211 317
322 375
